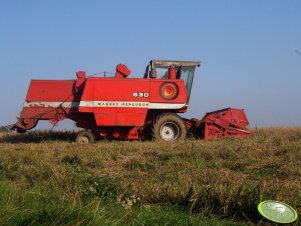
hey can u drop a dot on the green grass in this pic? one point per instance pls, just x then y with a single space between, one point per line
47 179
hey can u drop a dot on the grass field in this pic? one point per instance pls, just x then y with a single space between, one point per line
47 179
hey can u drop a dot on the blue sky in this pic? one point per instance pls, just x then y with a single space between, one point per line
250 50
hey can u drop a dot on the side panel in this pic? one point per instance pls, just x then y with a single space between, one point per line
168 104
116 102
125 102
50 90
45 95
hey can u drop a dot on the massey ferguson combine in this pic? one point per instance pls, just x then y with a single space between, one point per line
120 107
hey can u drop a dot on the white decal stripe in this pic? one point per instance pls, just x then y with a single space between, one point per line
165 106
52 104
130 104
113 104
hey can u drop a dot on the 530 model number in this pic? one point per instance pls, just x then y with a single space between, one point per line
140 94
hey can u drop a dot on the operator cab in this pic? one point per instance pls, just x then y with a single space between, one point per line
171 69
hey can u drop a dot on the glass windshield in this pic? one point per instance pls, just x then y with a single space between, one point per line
187 74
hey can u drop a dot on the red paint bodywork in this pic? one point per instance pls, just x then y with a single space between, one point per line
122 107
228 122
106 105
116 90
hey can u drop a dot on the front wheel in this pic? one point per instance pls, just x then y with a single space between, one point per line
168 127
85 137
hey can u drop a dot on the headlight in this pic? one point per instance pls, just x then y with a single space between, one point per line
169 91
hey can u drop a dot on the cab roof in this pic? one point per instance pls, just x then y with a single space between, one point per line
175 63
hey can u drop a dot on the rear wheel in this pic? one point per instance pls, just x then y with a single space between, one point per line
168 127
85 137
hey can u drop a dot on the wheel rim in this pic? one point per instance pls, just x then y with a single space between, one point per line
84 140
169 131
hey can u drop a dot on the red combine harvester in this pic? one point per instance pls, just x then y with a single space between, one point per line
128 108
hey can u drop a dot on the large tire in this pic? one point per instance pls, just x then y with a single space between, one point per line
168 127
85 137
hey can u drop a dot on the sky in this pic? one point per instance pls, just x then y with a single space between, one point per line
250 50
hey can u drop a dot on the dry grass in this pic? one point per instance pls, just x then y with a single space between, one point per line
225 178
